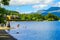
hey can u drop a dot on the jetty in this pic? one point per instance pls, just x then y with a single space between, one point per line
4 35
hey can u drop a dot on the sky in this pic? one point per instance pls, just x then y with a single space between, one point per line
28 6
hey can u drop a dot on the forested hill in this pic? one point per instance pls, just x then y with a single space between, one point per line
8 12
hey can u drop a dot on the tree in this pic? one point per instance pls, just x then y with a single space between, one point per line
5 2
51 17
3 11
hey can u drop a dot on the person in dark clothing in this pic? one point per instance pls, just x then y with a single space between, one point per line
18 27
8 25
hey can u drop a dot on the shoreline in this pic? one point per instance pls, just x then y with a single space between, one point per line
33 21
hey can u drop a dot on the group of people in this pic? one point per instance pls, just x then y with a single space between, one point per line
18 25
10 26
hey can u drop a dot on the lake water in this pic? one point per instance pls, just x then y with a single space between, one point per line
36 30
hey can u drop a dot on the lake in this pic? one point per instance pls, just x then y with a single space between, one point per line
35 30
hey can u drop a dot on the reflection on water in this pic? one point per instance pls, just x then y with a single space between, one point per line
8 30
36 30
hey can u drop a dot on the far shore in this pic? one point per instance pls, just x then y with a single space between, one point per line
33 21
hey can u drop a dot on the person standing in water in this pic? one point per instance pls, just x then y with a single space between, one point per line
8 25
8 22
18 28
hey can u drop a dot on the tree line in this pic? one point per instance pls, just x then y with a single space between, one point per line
37 17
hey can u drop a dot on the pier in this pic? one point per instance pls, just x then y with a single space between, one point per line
5 36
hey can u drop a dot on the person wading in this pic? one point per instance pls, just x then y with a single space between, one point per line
8 25
18 28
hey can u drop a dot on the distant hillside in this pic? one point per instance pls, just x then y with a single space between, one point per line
12 12
8 12
53 10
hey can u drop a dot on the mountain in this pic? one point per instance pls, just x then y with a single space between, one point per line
53 10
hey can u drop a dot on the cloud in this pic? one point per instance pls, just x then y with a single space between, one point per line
26 12
25 2
43 5
39 6
59 4
56 4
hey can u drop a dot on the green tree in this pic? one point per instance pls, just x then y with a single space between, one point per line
51 17
5 2
3 11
